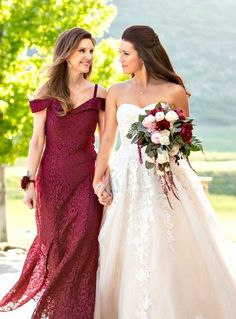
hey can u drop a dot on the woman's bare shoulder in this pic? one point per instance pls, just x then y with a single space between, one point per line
102 92
176 89
118 88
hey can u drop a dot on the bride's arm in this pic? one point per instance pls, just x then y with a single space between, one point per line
108 138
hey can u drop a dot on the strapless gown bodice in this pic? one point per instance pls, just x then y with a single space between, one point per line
127 114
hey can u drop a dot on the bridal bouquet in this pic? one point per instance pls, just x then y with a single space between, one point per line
166 133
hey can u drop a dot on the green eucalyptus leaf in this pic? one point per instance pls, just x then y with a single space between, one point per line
149 165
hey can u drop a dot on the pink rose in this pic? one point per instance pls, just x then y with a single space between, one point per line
152 127
149 121
155 137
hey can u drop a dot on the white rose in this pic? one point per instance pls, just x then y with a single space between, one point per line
149 120
160 116
167 169
160 173
165 133
164 140
151 159
164 105
175 150
163 157
171 116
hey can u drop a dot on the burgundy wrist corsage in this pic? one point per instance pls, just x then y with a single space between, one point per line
25 181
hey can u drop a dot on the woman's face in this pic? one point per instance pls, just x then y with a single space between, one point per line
129 59
81 59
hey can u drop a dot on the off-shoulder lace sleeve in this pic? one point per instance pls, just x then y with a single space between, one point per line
101 104
39 105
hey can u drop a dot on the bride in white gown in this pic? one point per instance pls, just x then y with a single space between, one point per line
155 262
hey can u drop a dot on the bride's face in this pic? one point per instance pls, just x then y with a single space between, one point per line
129 59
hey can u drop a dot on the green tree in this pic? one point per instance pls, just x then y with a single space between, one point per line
106 64
28 30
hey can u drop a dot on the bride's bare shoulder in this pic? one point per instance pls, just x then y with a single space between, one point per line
180 98
175 89
117 88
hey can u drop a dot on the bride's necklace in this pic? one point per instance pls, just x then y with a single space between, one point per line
141 91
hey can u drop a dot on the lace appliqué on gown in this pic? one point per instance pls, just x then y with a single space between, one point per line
141 216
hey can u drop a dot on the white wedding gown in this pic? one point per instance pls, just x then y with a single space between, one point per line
157 262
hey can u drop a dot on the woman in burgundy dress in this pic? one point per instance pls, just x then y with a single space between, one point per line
60 268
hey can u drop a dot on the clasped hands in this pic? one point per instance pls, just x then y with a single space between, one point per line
103 190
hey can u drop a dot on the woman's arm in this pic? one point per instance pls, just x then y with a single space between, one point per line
101 119
36 146
108 137
101 124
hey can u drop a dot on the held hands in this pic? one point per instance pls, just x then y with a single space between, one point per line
30 197
103 190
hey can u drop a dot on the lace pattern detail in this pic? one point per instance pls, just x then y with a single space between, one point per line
166 216
141 216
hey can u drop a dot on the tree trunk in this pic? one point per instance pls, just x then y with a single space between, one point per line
3 226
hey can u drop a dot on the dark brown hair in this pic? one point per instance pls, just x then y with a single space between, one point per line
57 84
146 42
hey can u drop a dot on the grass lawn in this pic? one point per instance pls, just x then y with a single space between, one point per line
222 166
225 207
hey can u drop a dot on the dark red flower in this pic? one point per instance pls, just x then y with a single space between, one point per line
152 112
24 182
180 114
163 125
155 111
186 132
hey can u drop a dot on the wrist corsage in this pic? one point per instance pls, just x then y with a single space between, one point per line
25 181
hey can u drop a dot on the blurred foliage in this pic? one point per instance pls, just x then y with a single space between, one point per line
28 31
106 63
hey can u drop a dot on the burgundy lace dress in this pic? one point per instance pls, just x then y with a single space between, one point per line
60 268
